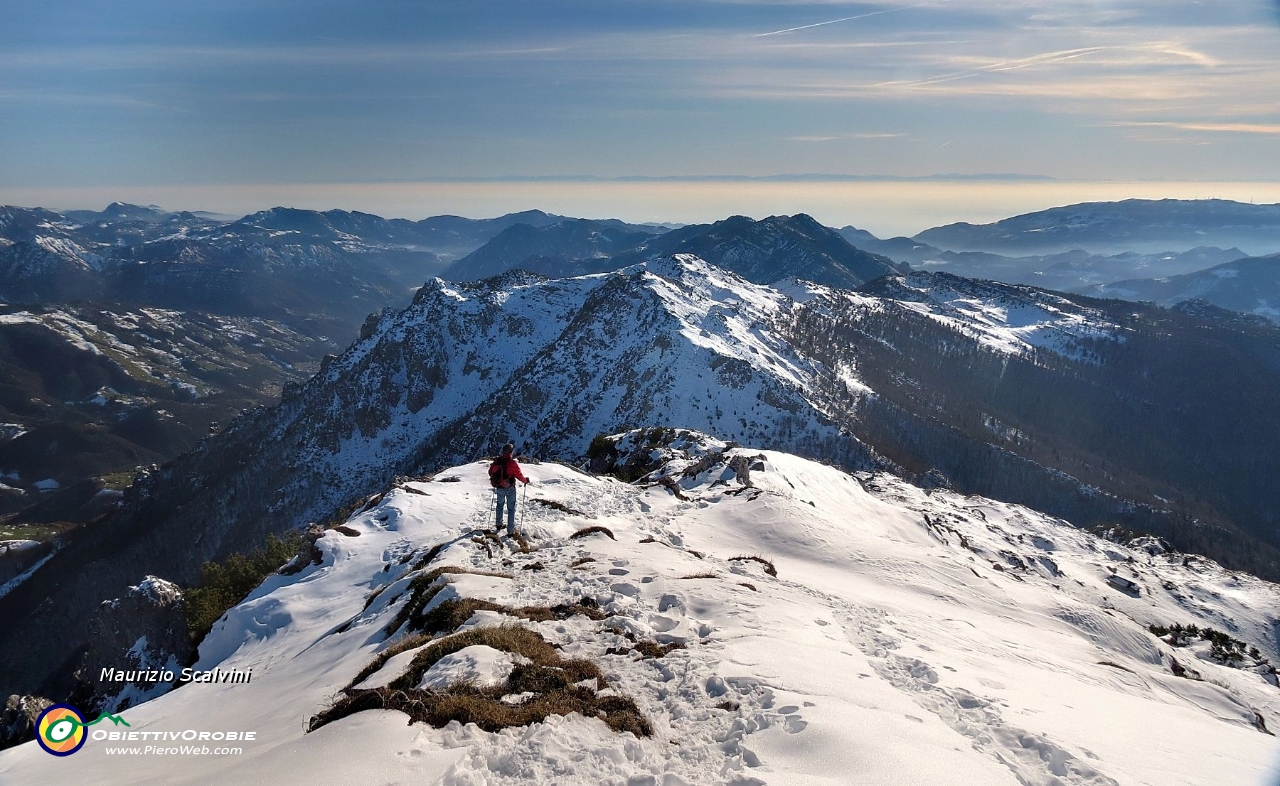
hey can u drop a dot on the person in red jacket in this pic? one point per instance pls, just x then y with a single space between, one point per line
503 474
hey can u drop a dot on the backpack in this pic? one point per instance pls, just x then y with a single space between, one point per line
498 473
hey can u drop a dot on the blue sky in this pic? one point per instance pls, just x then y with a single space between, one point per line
133 94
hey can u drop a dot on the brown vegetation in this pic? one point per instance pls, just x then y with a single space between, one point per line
585 531
768 566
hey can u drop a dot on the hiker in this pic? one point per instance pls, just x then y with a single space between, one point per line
503 474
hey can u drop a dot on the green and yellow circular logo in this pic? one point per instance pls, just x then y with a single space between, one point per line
60 730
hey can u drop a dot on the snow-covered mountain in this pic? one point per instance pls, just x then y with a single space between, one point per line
764 251
1251 286
1068 271
566 248
885 634
1141 225
133 254
91 390
204 292
772 249
1007 391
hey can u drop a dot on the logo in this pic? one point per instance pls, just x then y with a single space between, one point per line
60 729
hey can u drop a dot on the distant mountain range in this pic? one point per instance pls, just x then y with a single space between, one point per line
1140 225
129 331
1100 412
764 251
1065 271
1249 285
310 279
87 392
565 248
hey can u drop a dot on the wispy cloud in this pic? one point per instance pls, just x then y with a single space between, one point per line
1168 140
75 99
846 19
1074 87
1215 128
838 137
1013 64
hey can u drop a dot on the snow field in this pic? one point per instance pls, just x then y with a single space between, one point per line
889 649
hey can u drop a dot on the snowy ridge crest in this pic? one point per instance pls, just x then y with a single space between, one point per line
790 624
674 340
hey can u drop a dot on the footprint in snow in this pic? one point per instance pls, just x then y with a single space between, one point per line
663 623
794 725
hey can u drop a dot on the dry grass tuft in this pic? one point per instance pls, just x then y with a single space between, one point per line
484 544
652 649
431 554
524 544
551 503
580 561
699 576
552 678
372 597
768 566
451 614
405 644
586 607
1115 665
508 638
585 531
748 585
467 704
422 590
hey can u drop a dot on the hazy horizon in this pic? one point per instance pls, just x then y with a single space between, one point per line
884 207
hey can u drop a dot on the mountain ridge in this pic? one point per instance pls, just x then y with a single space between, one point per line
881 630
683 343
1250 286
1143 225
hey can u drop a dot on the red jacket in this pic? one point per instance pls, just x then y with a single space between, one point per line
513 472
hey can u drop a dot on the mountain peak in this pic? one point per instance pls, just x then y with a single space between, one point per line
774 249
126 211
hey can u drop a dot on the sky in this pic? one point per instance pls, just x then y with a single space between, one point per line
414 106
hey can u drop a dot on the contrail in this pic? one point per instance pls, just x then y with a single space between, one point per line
844 19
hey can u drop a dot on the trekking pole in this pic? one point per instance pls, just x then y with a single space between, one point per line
524 500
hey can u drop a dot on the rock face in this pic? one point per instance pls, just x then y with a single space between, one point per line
18 719
142 632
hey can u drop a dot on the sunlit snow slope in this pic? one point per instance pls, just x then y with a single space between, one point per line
908 638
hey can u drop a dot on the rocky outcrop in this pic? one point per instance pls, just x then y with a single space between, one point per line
18 719
308 552
131 638
934 479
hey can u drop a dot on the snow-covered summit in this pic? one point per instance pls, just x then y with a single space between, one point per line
894 636
1008 318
